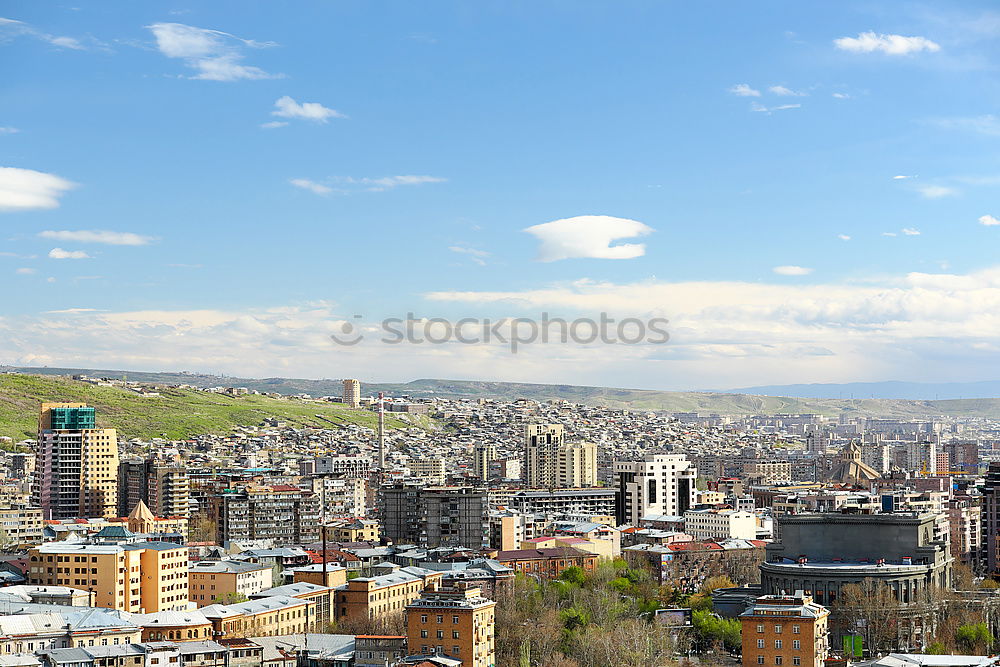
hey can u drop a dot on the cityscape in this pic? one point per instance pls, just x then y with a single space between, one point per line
519 333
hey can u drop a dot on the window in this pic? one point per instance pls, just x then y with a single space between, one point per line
440 618
454 634
760 660
454 619
777 659
760 643
440 634
796 644
760 628
423 634
455 650
777 643
795 629
777 629
796 660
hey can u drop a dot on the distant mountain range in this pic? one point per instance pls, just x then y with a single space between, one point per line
923 391
891 399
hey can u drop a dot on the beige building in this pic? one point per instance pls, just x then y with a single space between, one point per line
482 456
366 598
354 530
20 525
227 581
139 577
268 617
76 473
454 622
352 393
431 471
28 633
550 462
785 631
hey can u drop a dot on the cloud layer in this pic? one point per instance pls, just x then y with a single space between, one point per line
286 107
214 55
97 236
894 45
589 236
27 189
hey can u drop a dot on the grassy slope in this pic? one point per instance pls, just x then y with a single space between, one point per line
672 401
176 414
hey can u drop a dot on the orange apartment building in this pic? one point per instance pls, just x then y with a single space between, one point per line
454 622
138 577
785 631
365 598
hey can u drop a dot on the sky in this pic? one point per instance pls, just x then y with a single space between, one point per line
806 192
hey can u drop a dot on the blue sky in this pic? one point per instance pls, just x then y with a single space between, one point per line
270 170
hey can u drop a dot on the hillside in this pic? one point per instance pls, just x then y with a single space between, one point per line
638 399
176 414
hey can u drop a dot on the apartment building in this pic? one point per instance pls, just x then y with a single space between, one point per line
267 617
324 597
454 622
720 524
785 631
435 516
139 577
76 471
656 484
365 598
595 502
352 393
550 462
547 563
283 513
225 581
21 525
482 457
430 471
354 530
164 487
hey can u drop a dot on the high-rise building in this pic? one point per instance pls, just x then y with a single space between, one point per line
990 541
352 393
482 456
435 516
550 462
785 630
77 464
283 513
453 622
658 484
162 486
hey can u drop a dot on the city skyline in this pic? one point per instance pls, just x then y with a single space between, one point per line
806 193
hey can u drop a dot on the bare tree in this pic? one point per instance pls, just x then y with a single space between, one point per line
871 610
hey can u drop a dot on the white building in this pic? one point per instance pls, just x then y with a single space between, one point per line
658 484
720 525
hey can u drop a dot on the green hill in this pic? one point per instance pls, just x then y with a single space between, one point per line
175 414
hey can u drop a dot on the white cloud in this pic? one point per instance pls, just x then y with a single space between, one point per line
26 189
987 124
25 271
214 55
273 124
744 90
390 182
894 45
9 130
786 92
900 177
59 253
73 311
888 233
936 191
286 107
97 236
791 270
989 220
589 236
477 256
311 186
781 107
910 231
843 237
13 27
841 96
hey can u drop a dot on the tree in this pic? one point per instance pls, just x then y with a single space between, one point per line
872 609
231 598
974 638
574 575
712 629
201 528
